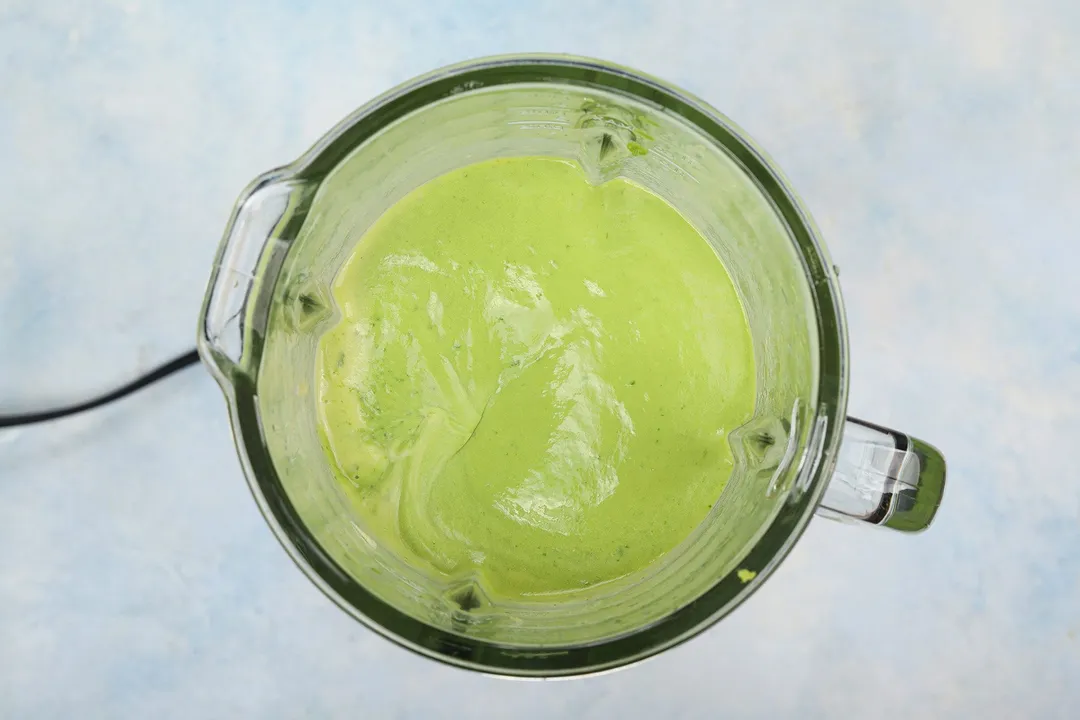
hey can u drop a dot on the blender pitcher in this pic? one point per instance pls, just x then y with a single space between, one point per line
269 301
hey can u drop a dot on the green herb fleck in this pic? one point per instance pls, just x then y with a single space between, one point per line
746 575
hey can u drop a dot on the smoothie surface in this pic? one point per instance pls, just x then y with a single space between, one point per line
533 378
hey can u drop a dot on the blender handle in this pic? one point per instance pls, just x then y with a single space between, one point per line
884 477
264 205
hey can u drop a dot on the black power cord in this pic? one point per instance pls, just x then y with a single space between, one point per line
189 358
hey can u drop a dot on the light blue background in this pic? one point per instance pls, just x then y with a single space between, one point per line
936 142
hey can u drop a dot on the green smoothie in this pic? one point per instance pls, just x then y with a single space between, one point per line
533 378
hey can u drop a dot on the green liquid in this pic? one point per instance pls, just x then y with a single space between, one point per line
533 378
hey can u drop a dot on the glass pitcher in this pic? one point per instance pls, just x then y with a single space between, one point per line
269 300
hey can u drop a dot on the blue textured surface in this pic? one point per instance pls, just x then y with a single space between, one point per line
936 143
